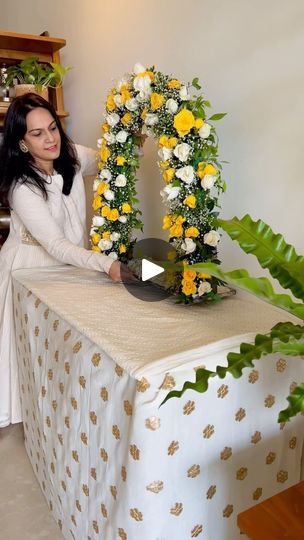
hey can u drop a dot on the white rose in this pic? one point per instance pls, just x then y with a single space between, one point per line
208 181
182 151
109 195
188 245
165 153
146 131
99 143
184 94
143 86
204 288
98 221
204 131
122 219
113 255
170 192
93 230
105 244
132 104
120 180
211 238
118 100
138 68
171 105
114 236
151 119
105 173
109 137
112 119
122 82
186 174
122 136
96 184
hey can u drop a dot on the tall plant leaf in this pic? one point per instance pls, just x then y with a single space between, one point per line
296 404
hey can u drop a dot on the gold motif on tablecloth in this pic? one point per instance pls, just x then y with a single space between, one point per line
116 432
122 534
119 370
222 391
293 443
168 382
136 514
46 344
77 347
253 376
211 492
193 471
226 453
82 381
104 511
188 408
36 331
208 431
241 473
256 437
84 438
18 296
56 356
46 313
63 485
196 531
26 318
48 421
240 414
281 365
134 451
85 489
75 456
104 394
59 524
73 520
67 335
123 473
67 367
173 447
37 303
52 467
155 487
61 388
128 408
39 361
96 359
257 494
269 401
54 404
78 505
103 454
228 511
113 490
60 438
293 386
282 476
74 403
93 417
67 421
95 527
177 509
68 471
152 423
29 293
55 325
142 385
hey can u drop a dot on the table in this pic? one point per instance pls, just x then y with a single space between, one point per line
95 364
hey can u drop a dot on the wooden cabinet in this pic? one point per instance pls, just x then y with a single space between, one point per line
17 47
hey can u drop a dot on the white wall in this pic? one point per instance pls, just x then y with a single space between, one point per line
249 57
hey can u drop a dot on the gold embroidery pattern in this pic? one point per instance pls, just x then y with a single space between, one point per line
75 456
95 527
28 239
128 408
93 417
257 494
142 385
55 325
211 492
241 413
282 476
82 381
104 511
256 437
196 531
222 391
228 511
173 447
113 490
122 534
168 382
293 443
96 359
104 394
241 473
281 365
155 487
193 471
188 408
103 455
67 335
177 509
152 423
77 347
136 514
269 401
253 376
119 370
226 453
123 473
116 432
208 431
135 452
85 490
84 438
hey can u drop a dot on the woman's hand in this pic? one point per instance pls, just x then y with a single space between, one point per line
120 273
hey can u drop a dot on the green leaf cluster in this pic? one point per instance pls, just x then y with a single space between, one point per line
31 71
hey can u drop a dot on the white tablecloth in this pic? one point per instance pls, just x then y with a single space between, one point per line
95 363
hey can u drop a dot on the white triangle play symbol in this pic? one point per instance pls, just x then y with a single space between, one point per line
149 269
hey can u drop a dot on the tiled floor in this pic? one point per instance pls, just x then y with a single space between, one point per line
24 514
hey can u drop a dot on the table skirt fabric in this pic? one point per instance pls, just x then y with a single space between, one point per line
112 464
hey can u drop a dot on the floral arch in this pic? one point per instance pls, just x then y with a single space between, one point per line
149 102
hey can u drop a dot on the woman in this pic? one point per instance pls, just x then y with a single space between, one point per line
41 179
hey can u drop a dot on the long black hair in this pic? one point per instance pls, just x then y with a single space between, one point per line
17 166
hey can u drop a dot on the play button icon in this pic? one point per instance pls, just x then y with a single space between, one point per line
149 270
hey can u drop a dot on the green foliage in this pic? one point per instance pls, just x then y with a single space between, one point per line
31 71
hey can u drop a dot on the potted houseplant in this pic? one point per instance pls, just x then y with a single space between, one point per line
34 76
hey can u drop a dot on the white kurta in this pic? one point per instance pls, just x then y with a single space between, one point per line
42 233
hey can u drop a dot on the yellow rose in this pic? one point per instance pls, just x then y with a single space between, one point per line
204 276
168 175
189 287
125 94
96 203
201 166
101 188
163 141
164 164
199 122
179 220
104 153
144 113
126 208
106 235
172 142
174 83
156 100
190 201
122 248
176 230
149 73
184 121
126 119
189 275
105 212
210 169
96 248
192 232
95 238
113 215
120 160
105 127
167 222
111 103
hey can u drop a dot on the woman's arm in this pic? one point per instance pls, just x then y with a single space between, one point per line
88 160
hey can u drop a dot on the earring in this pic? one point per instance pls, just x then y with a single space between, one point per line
23 147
